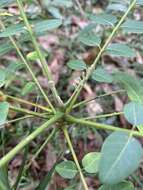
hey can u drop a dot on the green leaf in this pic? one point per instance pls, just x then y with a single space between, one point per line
131 85
28 88
69 188
133 26
58 3
90 162
63 3
2 77
76 64
89 38
4 3
101 75
55 12
66 169
117 7
32 56
47 25
38 27
5 48
11 70
120 50
4 108
118 160
133 112
12 30
139 2
104 19
126 185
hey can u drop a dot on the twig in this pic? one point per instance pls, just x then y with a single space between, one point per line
28 103
101 126
4 160
100 96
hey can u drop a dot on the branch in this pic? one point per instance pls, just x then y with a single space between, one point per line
28 103
75 157
92 67
41 147
100 96
28 112
101 126
36 46
46 69
9 156
29 68
104 115
15 120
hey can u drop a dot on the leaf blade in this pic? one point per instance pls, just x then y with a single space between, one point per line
4 108
114 164
120 50
90 162
66 169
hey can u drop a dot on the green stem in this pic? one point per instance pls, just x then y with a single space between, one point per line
84 102
28 112
17 119
75 157
104 115
21 170
46 69
9 156
41 147
29 69
28 103
80 8
137 180
101 126
3 141
33 38
92 67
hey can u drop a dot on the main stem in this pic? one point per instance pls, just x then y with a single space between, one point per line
92 67
9 156
75 157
